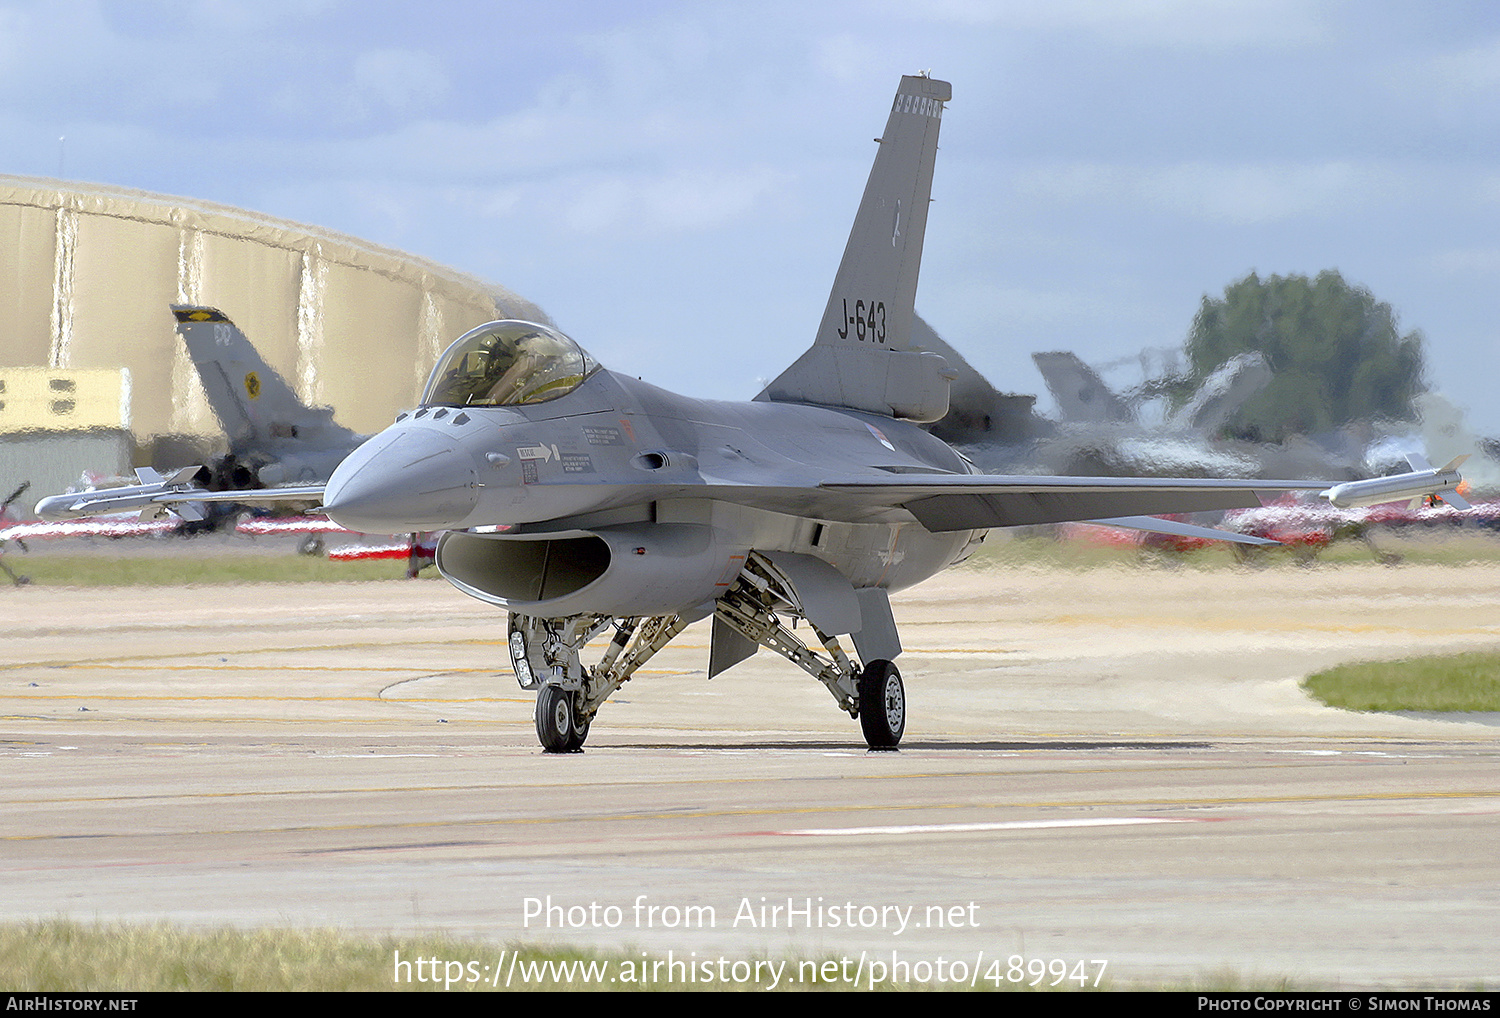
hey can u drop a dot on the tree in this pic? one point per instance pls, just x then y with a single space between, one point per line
1337 354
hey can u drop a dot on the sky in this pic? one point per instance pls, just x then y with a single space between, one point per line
673 182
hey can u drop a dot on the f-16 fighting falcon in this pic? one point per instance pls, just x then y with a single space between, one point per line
588 504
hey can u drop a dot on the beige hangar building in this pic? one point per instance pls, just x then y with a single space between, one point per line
93 375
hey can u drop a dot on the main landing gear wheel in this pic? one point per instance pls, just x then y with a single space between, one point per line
557 721
882 705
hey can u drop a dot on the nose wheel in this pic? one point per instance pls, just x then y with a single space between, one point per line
557 724
882 705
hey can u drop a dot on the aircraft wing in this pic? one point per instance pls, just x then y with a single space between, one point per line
976 501
156 494
940 502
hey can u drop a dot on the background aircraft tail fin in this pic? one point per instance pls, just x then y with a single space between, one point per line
1080 394
1224 391
254 404
861 357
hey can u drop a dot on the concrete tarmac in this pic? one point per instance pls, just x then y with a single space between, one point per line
1110 766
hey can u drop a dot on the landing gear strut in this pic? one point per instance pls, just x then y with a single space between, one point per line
546 656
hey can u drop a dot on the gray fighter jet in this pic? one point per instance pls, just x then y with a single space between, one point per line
1101 433
1083 398
588 504
274 438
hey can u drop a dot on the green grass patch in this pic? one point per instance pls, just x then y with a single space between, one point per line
1462 682
59 956
1032 548
171 570
1037 549
62 956
1438 547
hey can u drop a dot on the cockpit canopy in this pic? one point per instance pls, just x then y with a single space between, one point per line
507 364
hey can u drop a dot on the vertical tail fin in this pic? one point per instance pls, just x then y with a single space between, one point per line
1225 391
1081 395
861 357
254 404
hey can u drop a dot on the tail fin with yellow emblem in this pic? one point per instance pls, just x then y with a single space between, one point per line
258 410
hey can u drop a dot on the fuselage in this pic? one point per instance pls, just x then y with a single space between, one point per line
616 451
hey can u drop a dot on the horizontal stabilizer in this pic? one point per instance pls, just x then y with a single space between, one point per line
1224 391
1152 525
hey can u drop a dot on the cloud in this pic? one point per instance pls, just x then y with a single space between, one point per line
398 81
1223 193
842 57
1473 69
1468 261
1173 24
684 201
241 16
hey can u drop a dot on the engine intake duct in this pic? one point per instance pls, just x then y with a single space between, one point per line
629 570
517 570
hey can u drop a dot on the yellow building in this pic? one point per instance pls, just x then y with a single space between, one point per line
62 399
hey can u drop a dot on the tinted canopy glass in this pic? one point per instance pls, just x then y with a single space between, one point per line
507 364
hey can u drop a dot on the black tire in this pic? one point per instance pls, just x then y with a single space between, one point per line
882 705
557 721
580 732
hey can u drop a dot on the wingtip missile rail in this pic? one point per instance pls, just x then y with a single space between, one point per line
1422 481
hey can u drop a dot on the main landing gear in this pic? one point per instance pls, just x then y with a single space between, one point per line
546 656
882 705
557 720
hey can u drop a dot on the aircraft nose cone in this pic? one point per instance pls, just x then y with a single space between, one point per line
403 480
